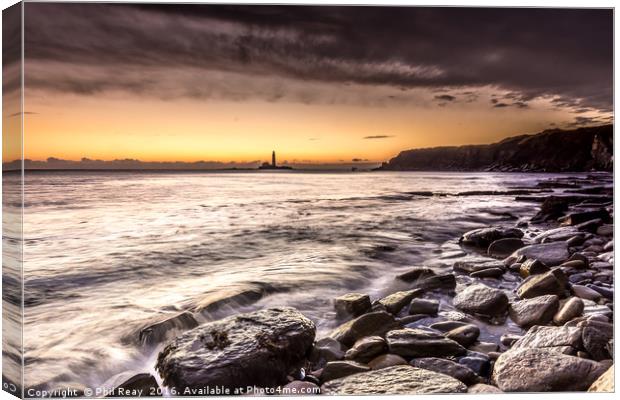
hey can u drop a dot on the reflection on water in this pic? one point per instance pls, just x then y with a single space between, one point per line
107 252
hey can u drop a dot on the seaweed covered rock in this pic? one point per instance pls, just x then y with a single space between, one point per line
257 348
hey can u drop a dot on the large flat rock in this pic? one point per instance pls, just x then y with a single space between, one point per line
544 370
257 348
552 254
400 379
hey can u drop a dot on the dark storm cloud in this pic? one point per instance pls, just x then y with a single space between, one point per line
532 52
377 137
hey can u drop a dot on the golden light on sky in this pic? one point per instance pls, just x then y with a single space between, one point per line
329 86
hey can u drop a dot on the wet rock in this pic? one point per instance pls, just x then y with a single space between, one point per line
581 217
579 257
396 301
367 348
465 335
574 264
483 237
386 360
376 323
482 388
469 267
544 370
144 383
447 367
325 350
340 369
488 273
603 291
604 383
257 348
532 267
420 343
167 329
481 299
401 379
585 292
574 241
504 247
479 365
300 388
551 254
424 306
352 304
410 319
562 339
415 274
444 282
571 309
557 234
552 282
595 337
446 326
551 208
534 311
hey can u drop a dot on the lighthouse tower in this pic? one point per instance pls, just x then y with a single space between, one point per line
273 158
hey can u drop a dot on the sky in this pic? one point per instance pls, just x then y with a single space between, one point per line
320 85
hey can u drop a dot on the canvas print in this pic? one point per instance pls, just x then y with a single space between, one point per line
230 199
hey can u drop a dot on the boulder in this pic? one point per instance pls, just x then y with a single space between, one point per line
396 301
557 234
325 350
352 304
585 292
477 363
421 343
596 337
399 380
532 267
258 348
465 335
376 323
481 299
442 282
552 282
573 308
446 367
561 339
469 267
415 274
386 360
605 230
340 369
504 247
535 311
483 237
367 348
584 216
604 383
551 208
551 254
423 306
544 370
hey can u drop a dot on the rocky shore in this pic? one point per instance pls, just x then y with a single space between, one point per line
528 308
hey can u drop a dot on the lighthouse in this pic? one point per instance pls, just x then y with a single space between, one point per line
273 158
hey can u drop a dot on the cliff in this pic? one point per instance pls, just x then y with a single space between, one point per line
581 149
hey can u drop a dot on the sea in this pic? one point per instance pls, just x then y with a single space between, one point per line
106 252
